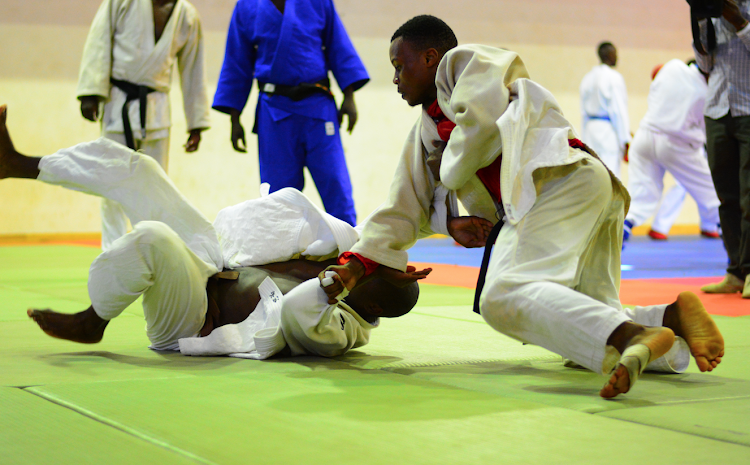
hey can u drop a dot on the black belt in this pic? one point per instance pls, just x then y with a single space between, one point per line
299 92
133 92
486 257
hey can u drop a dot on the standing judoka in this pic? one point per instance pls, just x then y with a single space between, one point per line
127 65
604 110
497 141
671 137
289 46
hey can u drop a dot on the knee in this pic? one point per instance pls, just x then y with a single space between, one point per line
154 233
497 309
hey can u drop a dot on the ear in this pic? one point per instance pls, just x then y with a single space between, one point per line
432 57
374 309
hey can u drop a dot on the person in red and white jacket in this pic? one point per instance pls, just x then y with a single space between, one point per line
499 142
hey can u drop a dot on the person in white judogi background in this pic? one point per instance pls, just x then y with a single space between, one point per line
127 66
604 110
671 137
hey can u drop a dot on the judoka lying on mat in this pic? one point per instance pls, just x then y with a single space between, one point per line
511 157
173 257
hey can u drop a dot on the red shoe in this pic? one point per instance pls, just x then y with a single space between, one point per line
711 234
657 236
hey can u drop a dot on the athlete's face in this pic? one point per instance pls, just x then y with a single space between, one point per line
415 72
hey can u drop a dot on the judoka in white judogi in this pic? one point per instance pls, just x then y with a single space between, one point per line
605 126
671 137
173 250
554 276
121 46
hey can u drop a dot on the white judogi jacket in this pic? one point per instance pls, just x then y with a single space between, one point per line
301 319
121 45
603 94
518 119
675 103
273 228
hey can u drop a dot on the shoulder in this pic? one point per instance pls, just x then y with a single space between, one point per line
477 56
189 12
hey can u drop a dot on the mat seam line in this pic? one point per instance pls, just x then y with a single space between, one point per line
118 426
676 431
447 317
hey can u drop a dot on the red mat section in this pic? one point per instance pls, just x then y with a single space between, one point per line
632 291
82 242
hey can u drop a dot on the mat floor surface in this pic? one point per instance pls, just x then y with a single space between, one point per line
438 386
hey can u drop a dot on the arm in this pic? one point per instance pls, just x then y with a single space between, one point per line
96 63
238 69
735 17
470 94
311 325
344 62
348 108
618 111
190 63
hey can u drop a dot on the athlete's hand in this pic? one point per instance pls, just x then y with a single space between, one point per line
194 140
732 14
346 276
90 107
238 135
401 278
469 231
348 108
626 153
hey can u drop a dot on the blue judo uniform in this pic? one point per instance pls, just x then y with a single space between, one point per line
299 46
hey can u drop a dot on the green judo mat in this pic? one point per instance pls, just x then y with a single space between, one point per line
436 386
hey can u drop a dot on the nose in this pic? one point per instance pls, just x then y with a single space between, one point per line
395 78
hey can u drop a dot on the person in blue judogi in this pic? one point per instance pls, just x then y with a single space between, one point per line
289 46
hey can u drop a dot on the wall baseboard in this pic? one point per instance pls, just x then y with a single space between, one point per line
48 238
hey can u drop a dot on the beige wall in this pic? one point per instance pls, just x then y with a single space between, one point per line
41 43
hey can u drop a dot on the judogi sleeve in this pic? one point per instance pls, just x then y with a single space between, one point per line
96 64
190 62
341 57
618 112
311 326
238 69
470 95
397 224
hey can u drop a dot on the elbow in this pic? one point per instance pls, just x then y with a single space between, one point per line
451 179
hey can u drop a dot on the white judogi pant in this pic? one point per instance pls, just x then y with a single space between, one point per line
553 279
114 219
669 210
169 255
602 139
654 153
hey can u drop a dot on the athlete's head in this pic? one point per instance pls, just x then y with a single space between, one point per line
607 53
416 49
378 298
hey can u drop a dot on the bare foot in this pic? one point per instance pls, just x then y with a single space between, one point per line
689 319
85 327
6 146
658 340
12 163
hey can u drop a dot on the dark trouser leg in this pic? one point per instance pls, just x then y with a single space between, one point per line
742 134
724 161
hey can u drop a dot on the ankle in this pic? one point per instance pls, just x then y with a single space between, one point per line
623 334
671 318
